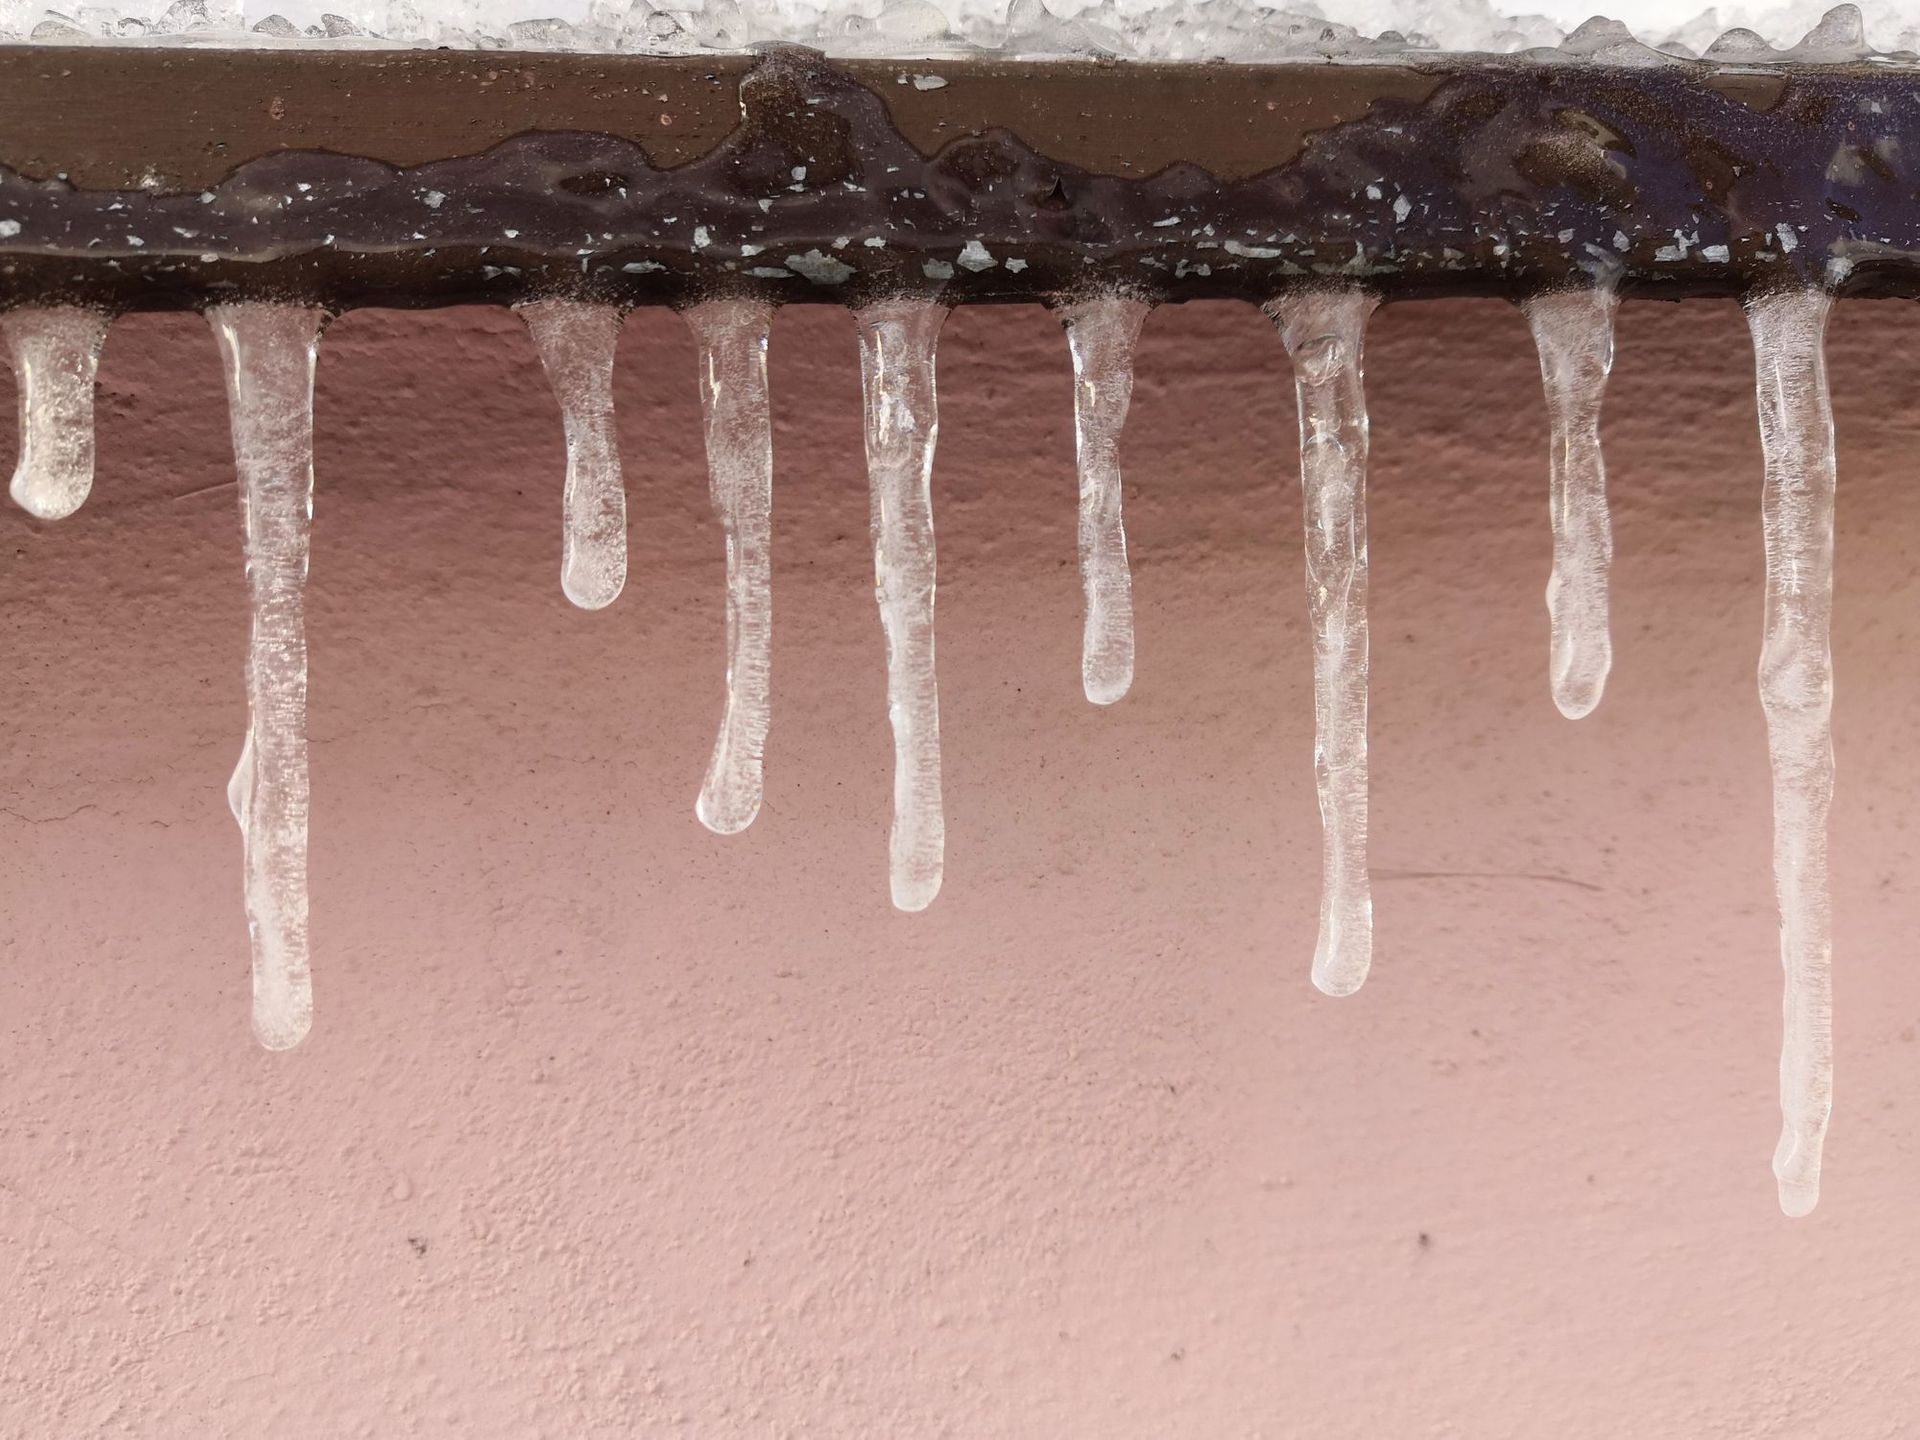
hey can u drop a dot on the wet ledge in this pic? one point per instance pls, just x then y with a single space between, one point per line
147 179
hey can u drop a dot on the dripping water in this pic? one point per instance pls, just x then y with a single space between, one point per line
1573 331
1101 335
576 340
269 352
1324 332
1796 693
56 356
897 340
732 338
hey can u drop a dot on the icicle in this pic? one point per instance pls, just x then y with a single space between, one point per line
269 352
1101 334
1796 692
576 341
732 335
1573 331
897 340
1324 333
56 355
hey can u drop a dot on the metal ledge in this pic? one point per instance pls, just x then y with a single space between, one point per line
140 179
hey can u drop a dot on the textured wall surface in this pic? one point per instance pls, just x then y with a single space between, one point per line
611 1127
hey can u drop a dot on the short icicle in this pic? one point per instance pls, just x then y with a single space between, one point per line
1324 332
270 352
732 336
56 357
1101 334
1796 693
897 340
1573 331
576 340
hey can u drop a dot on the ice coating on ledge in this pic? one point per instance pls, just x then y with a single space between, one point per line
1644 32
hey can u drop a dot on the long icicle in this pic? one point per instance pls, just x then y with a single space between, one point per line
56 357
732 336
576 340
270 352
1324 332
897 340
1573 331
1796 693
1101 334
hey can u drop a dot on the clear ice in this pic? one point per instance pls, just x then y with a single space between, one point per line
269 352
897 340
732 338
1101 334
1796 692
1573 330
576 340
56 355
1324 331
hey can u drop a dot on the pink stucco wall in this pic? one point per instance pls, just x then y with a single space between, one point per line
610 1127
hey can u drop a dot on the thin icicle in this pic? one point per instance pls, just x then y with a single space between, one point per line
897 339
1796 692
1101 334
576 340
56 356
1324 332
1573 330
732 335
270 352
